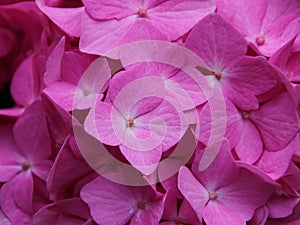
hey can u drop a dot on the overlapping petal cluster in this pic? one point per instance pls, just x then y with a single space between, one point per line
150 112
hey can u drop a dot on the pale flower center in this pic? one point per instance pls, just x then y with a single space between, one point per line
86 92
130 122
142 12
25 165
213 195
260 39
217 74
245 114
141 205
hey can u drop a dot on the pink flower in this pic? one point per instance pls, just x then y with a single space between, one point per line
223 49
112 203
287 58
224 193
190 115
25 157
105 26
74 87
266 25
10 208
252 132
137 118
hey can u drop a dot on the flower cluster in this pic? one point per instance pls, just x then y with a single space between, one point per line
150 112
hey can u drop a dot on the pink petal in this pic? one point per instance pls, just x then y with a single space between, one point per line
9 208
152 213
116 9
66 170
112 203
31 133
145 106
53 64
71 73
185 91
10 157
277 129
129 87
90 124
193 191
233 127
246 78
221 172
215 215
62 93
231 10
102 119
144 161
42 168
218 47
280 58
293 67
260 217
25 87
99 38
12 112
8 172
69 19
245 195
167 122
22 186
250 146
281 206
59 121
176 17
92 84
276 163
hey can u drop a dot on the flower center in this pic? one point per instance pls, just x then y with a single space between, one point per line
142 12
213 195
130 122
86 92
245 114
25 165
141 205
217 74
260 39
